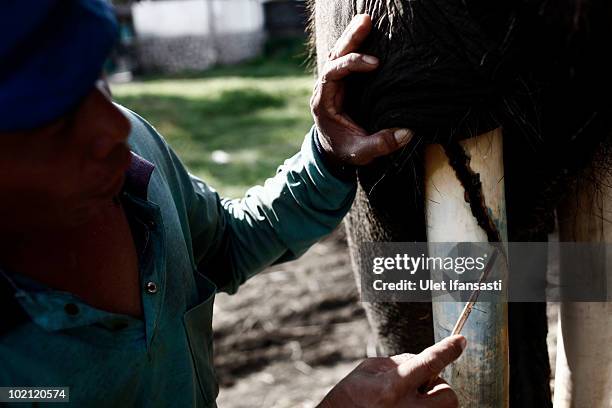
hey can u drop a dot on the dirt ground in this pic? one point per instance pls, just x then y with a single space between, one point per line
294 331
290 333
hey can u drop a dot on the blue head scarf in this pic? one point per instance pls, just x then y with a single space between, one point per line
51 54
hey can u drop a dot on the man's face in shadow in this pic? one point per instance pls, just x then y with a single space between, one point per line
60 175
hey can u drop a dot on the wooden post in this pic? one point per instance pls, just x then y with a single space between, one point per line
583 375
481 376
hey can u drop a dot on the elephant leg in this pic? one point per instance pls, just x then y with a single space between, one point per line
527 332
584 352
529 364
399 327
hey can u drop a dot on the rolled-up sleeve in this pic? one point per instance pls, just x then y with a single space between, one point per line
275 222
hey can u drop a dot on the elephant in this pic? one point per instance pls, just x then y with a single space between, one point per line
451 70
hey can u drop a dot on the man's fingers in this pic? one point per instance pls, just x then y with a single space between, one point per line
329 95
441 396
377 145
352 37
429 363
401 358
341 67
436 386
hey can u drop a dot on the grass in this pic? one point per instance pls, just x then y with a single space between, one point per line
231 126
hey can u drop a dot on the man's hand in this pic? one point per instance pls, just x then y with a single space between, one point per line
341 138
397 381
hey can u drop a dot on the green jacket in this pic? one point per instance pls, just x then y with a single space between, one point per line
194 243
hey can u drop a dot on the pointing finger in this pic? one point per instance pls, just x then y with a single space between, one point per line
429 363
401 358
